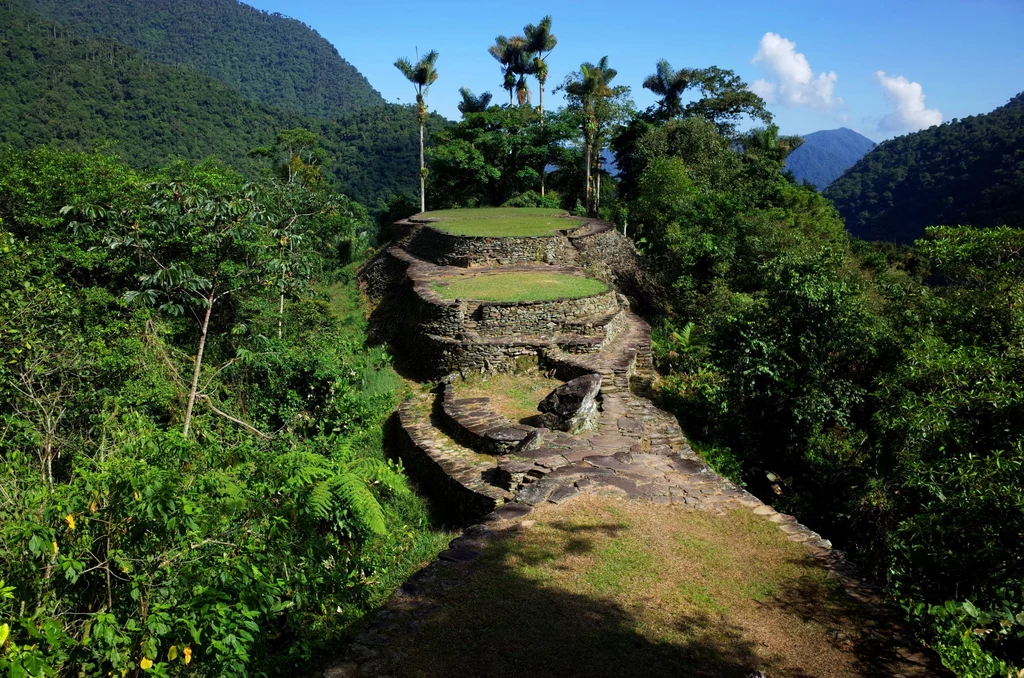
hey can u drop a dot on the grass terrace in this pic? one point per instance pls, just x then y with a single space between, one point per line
497 222
515 396
519 286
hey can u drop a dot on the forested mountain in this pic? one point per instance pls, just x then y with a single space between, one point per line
266 57
74 93
968 171
825 155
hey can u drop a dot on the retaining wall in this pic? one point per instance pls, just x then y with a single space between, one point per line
445 249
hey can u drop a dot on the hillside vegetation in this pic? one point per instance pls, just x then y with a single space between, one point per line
191 423
267 57
60 89
825 155
831 380
968 172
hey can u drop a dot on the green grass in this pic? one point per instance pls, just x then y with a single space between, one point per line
520 286
600 587
493 212
515 396
502 221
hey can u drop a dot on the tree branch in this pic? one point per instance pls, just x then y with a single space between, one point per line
248 427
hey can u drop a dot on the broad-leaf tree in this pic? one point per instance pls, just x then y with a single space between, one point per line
422 75
196 244
724 100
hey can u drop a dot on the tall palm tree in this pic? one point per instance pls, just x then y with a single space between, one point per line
504 53
540 41
590 90
472 103
516 61
669 84
422 75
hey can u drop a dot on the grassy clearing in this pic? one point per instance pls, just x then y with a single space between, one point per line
483 212
519 286
504 227
601 587
502 221
513 395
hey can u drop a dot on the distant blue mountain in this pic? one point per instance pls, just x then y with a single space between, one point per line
825 155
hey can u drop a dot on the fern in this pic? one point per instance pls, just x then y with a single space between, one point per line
355 494
325 487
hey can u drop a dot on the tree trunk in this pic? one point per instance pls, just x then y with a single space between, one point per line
588 163
199 357
597 192
280 316
423 183
543 174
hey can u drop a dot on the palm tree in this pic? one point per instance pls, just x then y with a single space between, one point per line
590 91
540 41
669 84
422 75
516 61
766 143
503 51
472 103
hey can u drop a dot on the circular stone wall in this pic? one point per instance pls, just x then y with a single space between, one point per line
446 249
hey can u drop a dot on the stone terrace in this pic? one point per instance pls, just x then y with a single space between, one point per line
483 468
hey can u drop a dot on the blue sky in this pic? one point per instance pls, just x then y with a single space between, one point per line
882 68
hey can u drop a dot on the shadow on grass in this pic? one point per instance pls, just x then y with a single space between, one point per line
505 621
872 633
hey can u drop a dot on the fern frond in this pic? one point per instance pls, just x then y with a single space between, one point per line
380 471
360 501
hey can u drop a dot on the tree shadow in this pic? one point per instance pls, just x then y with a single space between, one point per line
497 617
871 632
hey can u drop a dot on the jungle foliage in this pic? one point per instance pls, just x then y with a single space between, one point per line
968 171
77 93
875 393
191 475
266 57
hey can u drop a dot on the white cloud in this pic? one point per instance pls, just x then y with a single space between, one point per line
795 83
910 114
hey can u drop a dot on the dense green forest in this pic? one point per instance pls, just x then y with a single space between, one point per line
267 57
190 422
191 419
81 94
968 171
833 378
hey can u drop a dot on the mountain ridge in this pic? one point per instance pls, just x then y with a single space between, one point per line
75 93
964 172
266 57
826 154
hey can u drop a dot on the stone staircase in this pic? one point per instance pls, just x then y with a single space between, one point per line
486 459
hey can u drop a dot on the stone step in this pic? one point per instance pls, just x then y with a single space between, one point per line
475 424
461 480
